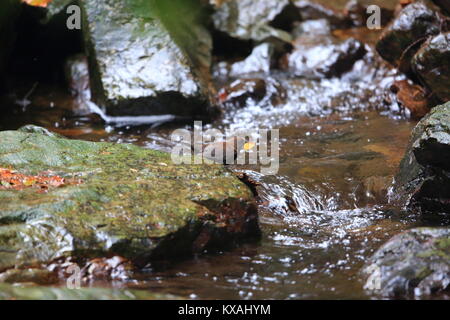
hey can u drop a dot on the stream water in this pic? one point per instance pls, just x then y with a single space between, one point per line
321 216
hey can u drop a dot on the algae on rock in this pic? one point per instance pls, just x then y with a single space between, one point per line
129 201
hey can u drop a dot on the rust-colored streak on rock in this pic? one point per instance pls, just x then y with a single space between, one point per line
13 180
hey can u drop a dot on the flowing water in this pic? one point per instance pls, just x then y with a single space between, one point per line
322 215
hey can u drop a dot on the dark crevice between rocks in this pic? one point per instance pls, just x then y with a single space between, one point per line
42 48
228 48
286 18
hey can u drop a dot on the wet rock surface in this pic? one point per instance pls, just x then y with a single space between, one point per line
423 181
403 36
248 19
413 263
9 292
432 64
143 61
317 54
312 10
260 61
244 92
127 201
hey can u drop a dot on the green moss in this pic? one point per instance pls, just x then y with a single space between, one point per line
129 200
9 292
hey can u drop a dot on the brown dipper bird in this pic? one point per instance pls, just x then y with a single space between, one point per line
230 149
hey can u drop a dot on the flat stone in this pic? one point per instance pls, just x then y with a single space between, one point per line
115 199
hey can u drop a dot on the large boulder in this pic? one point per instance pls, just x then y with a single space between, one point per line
413 263
403 36
423 181
148 57
67 198
432 64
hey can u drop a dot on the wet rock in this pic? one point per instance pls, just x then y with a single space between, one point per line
29 275
147 57
319 55
415 262
9 292
128 201
9 11
115 268
243 92
76 71
313 10
260 60
356 11
344 14
423 181
432 64
403 36
248 19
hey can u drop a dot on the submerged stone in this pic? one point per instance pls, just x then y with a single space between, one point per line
401 38
126 201
413 263
423 181
148 57
432 64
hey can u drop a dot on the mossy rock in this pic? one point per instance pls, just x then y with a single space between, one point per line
416 262
118 200
423 180
9 292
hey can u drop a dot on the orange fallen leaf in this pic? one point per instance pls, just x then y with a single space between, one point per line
37 3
